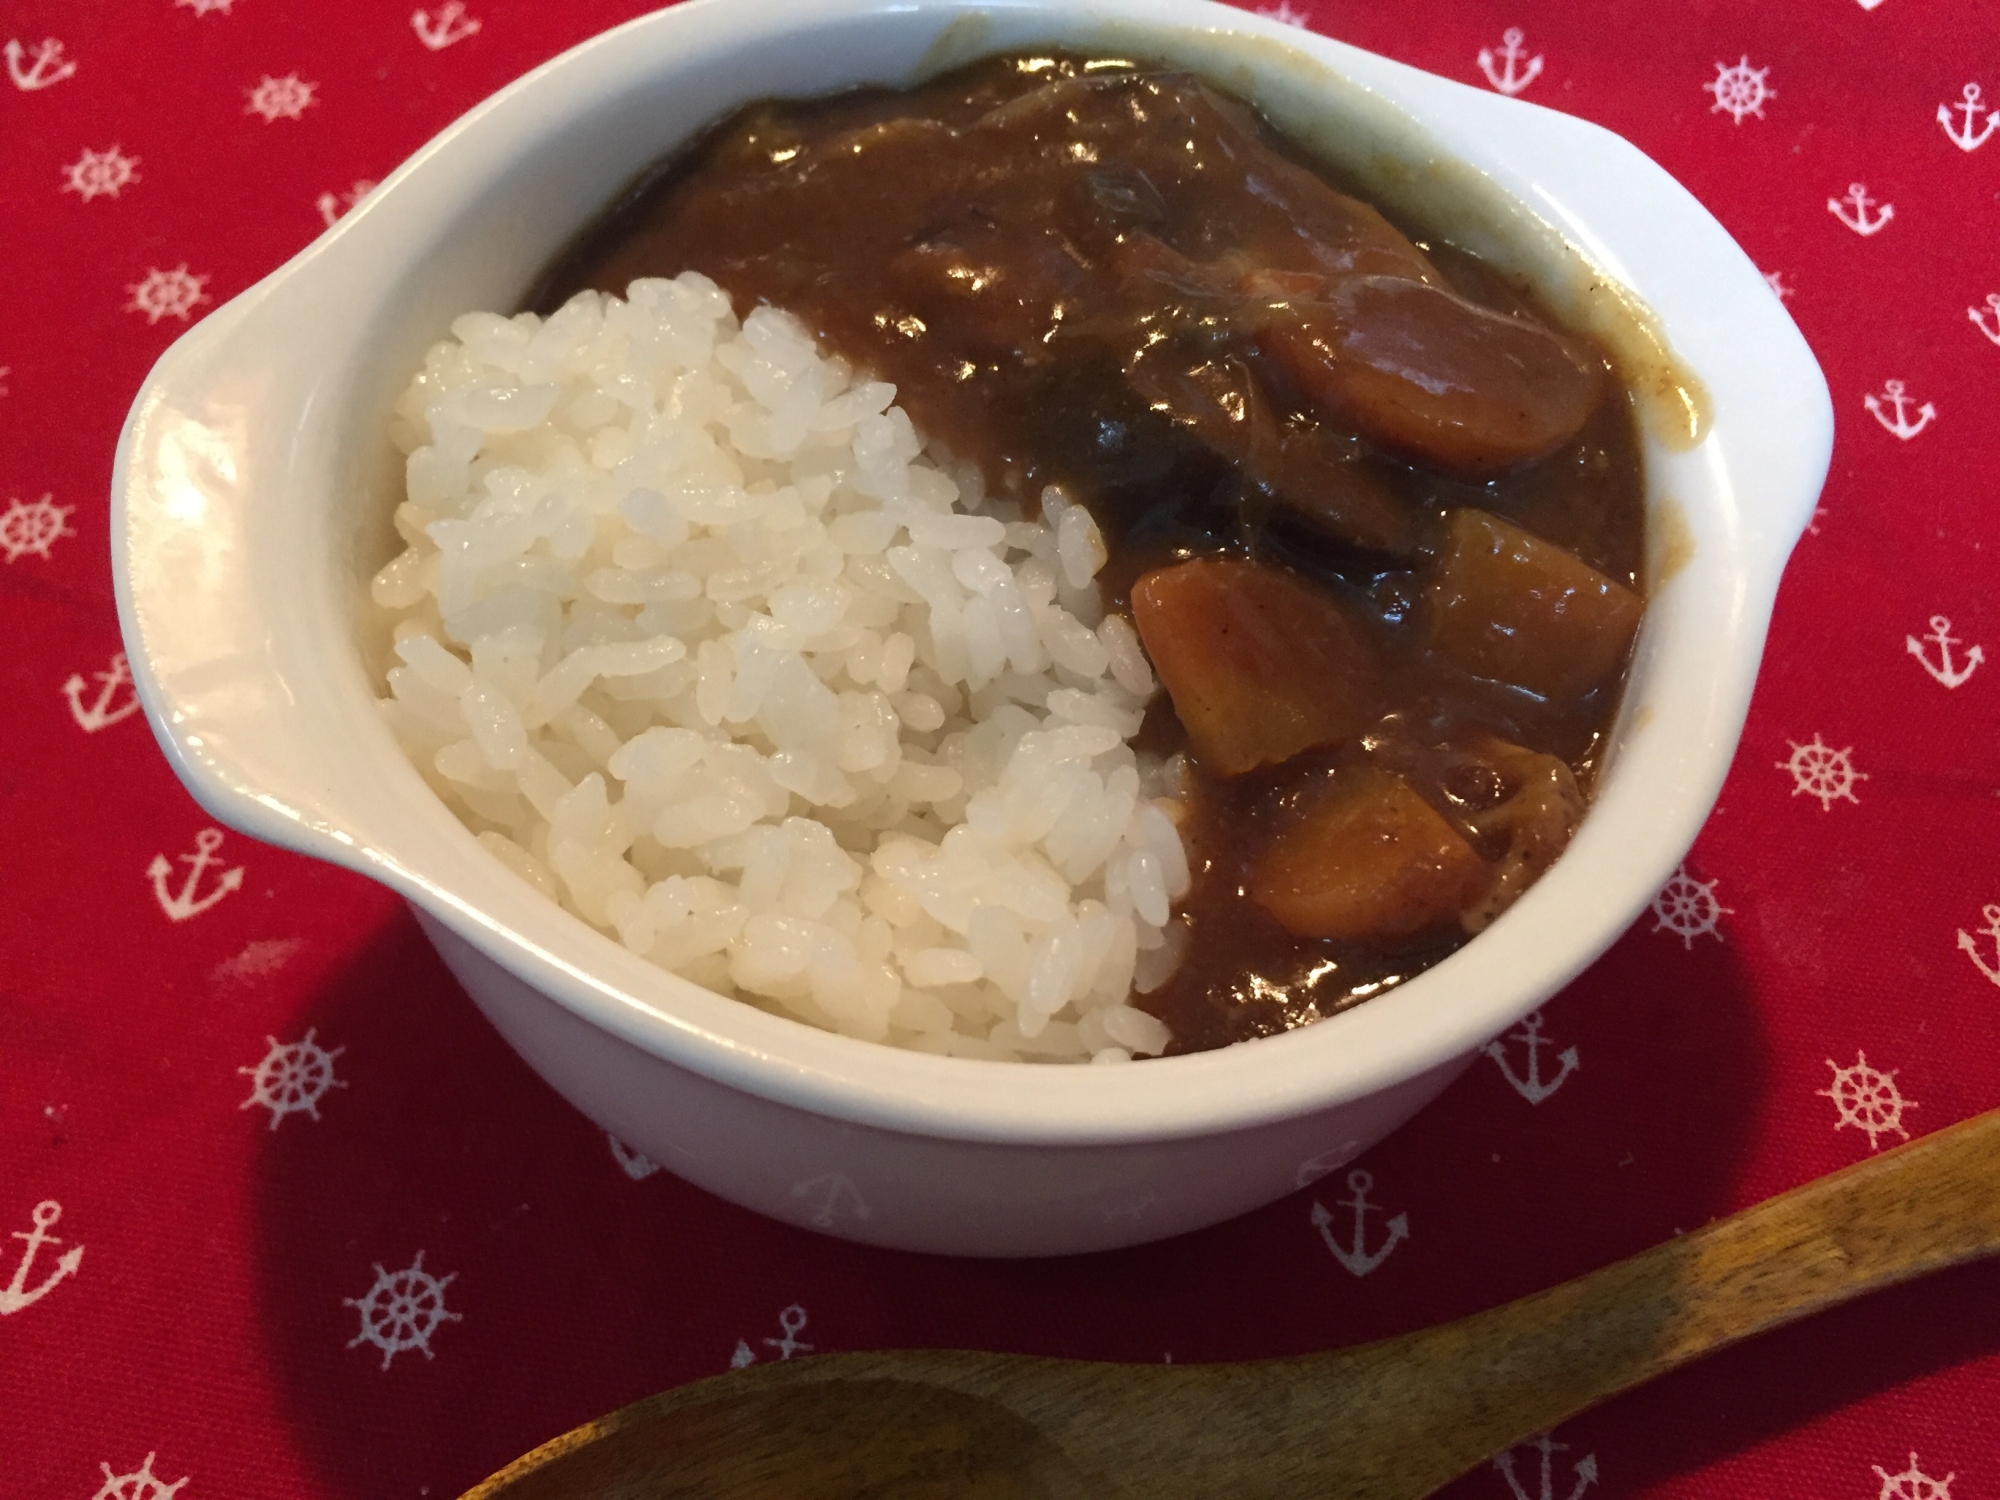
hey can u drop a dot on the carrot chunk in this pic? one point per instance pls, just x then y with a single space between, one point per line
1507 605
1426 373
1260 664
1370 862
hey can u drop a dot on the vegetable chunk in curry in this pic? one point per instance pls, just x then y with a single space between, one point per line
1376 518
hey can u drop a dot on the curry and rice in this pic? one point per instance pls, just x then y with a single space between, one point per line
1021 568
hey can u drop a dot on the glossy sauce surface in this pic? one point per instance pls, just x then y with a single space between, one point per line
1113 278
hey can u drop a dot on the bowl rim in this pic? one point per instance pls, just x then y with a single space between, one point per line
1722 595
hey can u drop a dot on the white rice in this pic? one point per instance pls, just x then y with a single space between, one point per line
703 643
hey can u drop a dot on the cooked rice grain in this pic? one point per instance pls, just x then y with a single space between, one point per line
701 641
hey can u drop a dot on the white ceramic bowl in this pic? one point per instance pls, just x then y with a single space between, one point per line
255 480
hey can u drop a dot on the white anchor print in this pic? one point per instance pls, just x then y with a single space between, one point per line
1860 220
1585 1470
1970 946
1991 310
1356 1257
450 24
1889 409
791 1323
1867 4
141 1484
104 710
634 1164
1501 70
1951 673
1776 281
1283 13
332 205
181 905
1964 136
1534 1088
49 67
17 1294
1912 1484
831 1195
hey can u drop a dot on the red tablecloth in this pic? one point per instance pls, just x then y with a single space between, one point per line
197 1266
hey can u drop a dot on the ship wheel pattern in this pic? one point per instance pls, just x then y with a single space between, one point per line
1867 1099
402 1310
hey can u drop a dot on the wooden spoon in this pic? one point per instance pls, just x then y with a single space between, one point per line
1386 1421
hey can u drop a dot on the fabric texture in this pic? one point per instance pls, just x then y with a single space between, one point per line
240 1084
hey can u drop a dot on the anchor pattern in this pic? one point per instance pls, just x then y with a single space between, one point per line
1975 949
45 67
1354 1256
1891 409
791 1323
332 206
20 1292
1531 1085
184 903
1583 1473
1987 319
1505 69
634 1164
450 24
1952 673
113 702
130 181
1859 212
1965 134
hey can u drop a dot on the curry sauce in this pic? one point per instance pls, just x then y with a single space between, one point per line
1378 519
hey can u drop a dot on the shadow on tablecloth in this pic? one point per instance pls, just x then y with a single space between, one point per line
448 1199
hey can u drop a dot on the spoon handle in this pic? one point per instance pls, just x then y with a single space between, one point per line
1499 1377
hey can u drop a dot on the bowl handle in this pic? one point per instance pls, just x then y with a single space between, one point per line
208 535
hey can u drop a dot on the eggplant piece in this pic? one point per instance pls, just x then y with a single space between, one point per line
1302 468
1260 664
